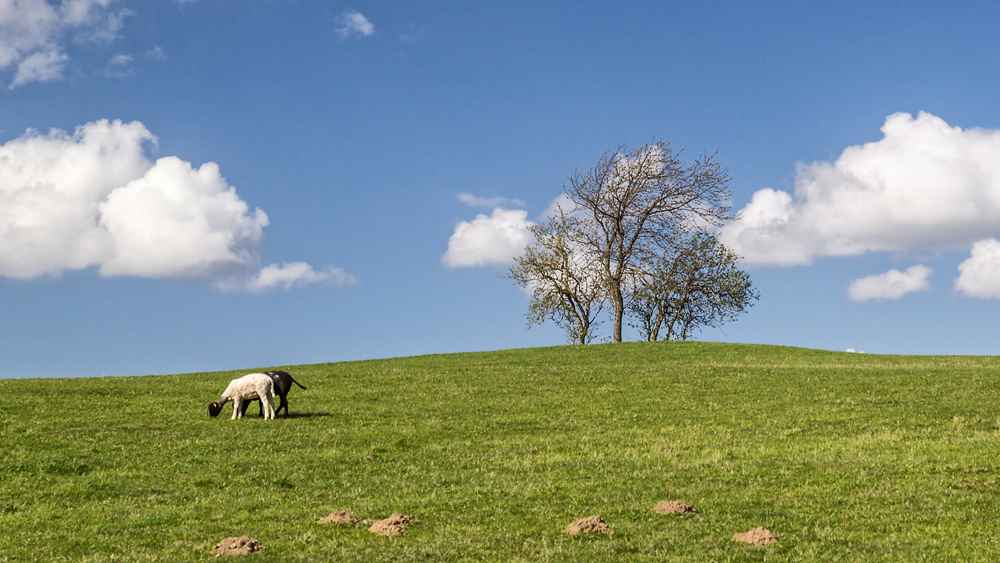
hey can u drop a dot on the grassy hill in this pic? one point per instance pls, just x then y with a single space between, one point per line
845 457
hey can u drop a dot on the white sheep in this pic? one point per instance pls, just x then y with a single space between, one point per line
252 386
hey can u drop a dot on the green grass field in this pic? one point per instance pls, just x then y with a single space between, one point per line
845 457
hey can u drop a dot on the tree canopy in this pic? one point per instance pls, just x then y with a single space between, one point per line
696 284
636 239
561 283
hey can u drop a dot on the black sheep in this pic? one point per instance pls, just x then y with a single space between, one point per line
282 385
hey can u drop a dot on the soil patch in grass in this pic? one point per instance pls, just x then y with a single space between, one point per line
674 507
589 525
242 545
756 536
394 525
338 517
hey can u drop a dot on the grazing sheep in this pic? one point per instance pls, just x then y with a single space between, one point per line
254 385
282 385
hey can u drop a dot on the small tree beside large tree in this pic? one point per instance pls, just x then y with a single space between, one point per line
695 285
636 237
560 280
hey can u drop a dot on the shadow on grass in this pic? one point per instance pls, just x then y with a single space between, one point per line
306 415
294 415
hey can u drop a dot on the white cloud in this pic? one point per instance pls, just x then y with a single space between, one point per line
32 33
25 26
39 67
89 12
354 24
50 188
93 199
179 221
924 185
119 66
93 19
493 202
979 275
890 285
288 276
489 241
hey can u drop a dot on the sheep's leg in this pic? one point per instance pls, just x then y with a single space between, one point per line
236 408
269 406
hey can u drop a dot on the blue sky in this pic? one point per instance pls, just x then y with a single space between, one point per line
130 241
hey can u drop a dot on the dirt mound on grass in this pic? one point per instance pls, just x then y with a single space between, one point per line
394 525
238 546
756 536
674 507
339 517
588 525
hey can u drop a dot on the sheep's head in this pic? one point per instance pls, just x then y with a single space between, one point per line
214 408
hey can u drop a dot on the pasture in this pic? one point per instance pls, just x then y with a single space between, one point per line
844 457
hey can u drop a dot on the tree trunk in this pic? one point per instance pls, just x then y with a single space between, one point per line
619 312
584 329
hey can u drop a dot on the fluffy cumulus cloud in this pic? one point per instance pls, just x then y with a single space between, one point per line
32 34
890 285
924 185
354 23
179 221
979 276
93 199
50 189
493 240
497 239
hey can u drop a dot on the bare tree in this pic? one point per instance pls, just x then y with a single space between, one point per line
560 278
636 202
695 284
